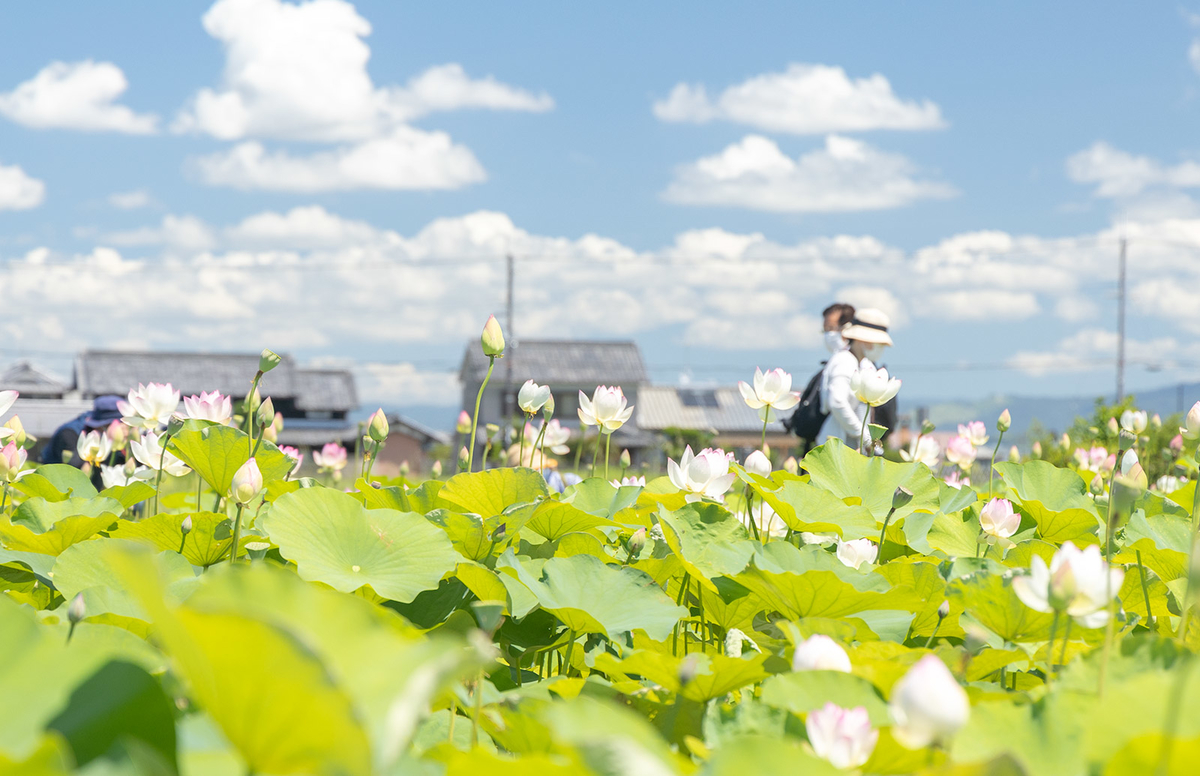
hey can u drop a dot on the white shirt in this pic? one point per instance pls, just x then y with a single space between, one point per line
844 408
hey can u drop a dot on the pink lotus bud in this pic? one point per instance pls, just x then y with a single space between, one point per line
492 338
1176 443
463 426
247 483
1004 422
118 433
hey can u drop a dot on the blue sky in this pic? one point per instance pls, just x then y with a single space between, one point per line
979 162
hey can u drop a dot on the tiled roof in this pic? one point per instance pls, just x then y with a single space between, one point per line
721 410
561 362
30 381
324 389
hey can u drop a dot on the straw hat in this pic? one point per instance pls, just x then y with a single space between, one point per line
868 325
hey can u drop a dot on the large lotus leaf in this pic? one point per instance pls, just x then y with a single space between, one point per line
916 526
1144 754
490 492
87 568
207 543
40 515
592 597
733 607
216 452
714 675
926 580
336 540
806 507
760 754
779 557
37 562
470 534
820 594
611 739
871 481
1055 498
56 482
1045 743
64 533
803 691
599 497
709 541
955 534
1163 541
390 497
992 602
554 520
488 585
134 493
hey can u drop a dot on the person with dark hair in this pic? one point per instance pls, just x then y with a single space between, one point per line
836 316
808 419
103 412
866 336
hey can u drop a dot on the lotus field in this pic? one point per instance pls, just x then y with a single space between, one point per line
212 611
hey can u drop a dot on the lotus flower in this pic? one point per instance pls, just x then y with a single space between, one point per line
1134 421
873 386
974 431
1128 461
924 449
532 397
119 476
999 521
148 450
857 552
463 426
1077 582
844 737
6 402
149 406
209 406
772 390
295 455
330 458
1189 431
956 480
638 482
12 461
555 439
94 447
705 474
758 463
821 539
928 704
765 520
1176 443
607 409
247 482
118 434
960 452
820 653
1168 483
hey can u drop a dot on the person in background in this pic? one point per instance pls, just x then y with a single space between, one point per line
103 412
866 336
837 316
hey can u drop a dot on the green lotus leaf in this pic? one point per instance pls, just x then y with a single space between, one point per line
760 754
820 594
1055 498
131 494
216 452
470 534
803 691
871 481
40 515
1163 541
87 568
1044 744
554 519
56 482
65 532
488 585
714 675
207 543
992 602
956 534
592 597
709 541
806 507
336 540
599 497
490 492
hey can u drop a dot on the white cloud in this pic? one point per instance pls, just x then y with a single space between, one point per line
1075 308
1094 349
979 304
179 232
409 158
845 175
409 385
1118 173
306 227
299 71
804 99
79 95
19 191
880 298
130 200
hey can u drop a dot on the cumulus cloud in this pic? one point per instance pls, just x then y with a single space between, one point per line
1118 173
19 191
299 72
77 95
1092 349
844 175
805 99
130 200
410 383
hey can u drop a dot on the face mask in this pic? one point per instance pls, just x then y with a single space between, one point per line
873 353
834 341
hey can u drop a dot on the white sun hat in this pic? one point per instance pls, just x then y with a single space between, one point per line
868 325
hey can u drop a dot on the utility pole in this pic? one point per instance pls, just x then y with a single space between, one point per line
510 403
1121 324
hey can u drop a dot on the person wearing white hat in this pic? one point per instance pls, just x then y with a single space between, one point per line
866 336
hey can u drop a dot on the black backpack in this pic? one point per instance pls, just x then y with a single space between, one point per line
808 418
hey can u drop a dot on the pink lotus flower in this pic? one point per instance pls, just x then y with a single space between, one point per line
209 406
149 406
12 459
961 452
247 482
556 438
844 737
296 456
956 480
704 474
975 431
330 458
772 390
148 450
998 521
1177 443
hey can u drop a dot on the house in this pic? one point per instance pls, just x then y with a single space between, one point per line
568 367
718 411
412 443
45 401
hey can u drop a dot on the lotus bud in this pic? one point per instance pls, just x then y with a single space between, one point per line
1065 441
463 426
1176 444
464 458
18 430
927 427
500 533
267 361
378 427
758 463
404 469
492 431
1014 454
251 402
492 339
1191 427
548 409
436 469
928 705
790 465
270 434
77 610
130 467
1156 421
901 498
174 425
1036 451
1127 489
185 527
976 639
626 460
1004 422
1097 486
118 434
247 483
1113 426
1126 440
277 423
636 543
944 610
266 413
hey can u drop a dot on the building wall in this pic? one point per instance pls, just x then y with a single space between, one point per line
401 448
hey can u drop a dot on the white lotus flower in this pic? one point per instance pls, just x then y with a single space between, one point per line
765 520
6 402
149 406
823 539
556 438
998 521
1128 461
637 482
1192 428
820 653
119 476
873 386
1134 421
844 737
928 704
857 552
1077 582
924 449
247 482
94 447
772 390
607 408
148 450
209 406
758 463
704 474
975 432
532 397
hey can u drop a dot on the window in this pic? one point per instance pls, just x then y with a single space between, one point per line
693 397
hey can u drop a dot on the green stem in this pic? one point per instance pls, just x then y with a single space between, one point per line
521 451
237 534
199 489
683 586
1062 653
579 447
750 515
1050 650
453 716
565 668
251 413
4 498
607 444
539 446
703 619
883 533
475 420
161 458
992 465
862 434
478 710
374 454
596 455
1110 626
1145 589
929 640
766 420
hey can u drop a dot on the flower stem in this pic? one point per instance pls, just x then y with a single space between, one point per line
883 533
766 420
992 465
237 534
521 451
1174 707
607 443
579 447
1062 653
371 465
1050 650
862 434
475 420
161 458
4 498
596 455
250 413
478 710
539 447
1145 589
565 667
